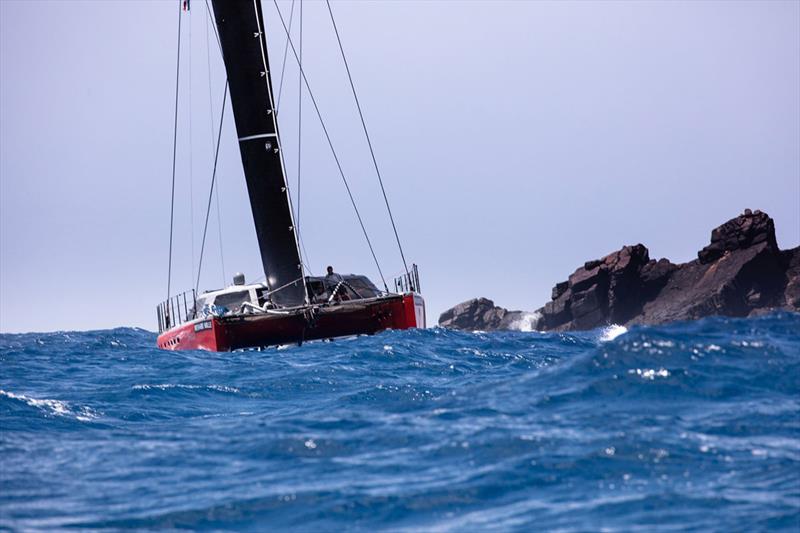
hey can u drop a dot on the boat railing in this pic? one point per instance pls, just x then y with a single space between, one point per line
408 282
176 310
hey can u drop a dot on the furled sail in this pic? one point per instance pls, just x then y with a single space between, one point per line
244 49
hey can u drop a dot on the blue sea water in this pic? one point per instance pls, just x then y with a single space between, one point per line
686 427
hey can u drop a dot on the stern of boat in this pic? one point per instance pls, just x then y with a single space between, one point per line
413 302
180 327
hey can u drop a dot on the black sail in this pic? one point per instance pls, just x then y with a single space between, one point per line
244 49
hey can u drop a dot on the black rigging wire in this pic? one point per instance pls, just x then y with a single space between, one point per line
330 144
213 178
366 133
174 154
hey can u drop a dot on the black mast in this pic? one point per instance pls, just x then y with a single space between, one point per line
244 50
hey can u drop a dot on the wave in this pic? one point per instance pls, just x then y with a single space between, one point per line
525 322
168 386
609 333
54 407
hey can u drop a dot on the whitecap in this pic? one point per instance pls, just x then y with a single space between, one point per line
164 386
526 322
167 386
53 407
222 388
650 373
609 333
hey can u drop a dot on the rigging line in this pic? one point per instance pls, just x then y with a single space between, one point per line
333 151
211 124
213 179
301 243
210 96
210 20
299 131
214 25
191 165
174 153
366 133
219 235
285 54
299 116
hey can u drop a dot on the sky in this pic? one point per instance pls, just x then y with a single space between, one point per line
516 140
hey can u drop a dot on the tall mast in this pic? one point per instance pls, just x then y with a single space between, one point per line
244 49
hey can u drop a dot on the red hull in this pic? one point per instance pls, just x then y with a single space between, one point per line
248 331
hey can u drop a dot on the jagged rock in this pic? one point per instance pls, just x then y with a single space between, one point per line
588 301
559 289
791 296
741 272
475 314
625 287
586 277
739 233
558 310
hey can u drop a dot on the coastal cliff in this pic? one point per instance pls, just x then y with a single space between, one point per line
742 272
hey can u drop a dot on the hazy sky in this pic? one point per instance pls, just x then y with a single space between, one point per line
516 139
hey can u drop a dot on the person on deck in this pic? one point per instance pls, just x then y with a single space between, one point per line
332 277
332 281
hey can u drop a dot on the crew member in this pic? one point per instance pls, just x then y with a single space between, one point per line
332 281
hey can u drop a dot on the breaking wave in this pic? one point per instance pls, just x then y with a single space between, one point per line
526 322
53 407
609 333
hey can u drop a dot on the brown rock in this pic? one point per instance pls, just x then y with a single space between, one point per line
559 289
742 272
791 295
739 233
478 313
586 277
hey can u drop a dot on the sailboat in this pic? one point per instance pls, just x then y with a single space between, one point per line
289 306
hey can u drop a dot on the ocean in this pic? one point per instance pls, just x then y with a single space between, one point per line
685 427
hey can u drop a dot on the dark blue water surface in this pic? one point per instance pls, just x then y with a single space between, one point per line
692 426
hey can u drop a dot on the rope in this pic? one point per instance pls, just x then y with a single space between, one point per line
214 25
211 125
174 154
283 65
299 119
213 178
273 291
330 144
366 133
191 153
305 260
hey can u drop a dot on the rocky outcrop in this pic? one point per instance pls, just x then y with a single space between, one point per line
740 273
478 314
